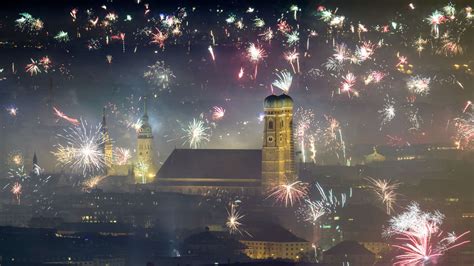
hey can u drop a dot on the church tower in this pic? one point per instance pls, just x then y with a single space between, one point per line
144 169
107 148
278 166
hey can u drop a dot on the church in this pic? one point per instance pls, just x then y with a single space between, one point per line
207 171
204 171
142 169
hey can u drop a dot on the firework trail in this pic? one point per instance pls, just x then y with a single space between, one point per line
60 114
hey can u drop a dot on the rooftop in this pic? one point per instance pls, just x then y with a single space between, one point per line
212 163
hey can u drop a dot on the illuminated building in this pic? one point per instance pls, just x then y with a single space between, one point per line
275 242
144 168
278 165
374 157
207 171
112 169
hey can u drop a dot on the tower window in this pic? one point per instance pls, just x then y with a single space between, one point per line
270 124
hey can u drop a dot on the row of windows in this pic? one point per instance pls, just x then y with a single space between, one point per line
282 123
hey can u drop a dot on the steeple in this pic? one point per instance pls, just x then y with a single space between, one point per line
145 169
35 159
145 110
106 146
104 124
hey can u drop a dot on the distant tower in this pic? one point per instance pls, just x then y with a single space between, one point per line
278 166
35 159
107 148
144 169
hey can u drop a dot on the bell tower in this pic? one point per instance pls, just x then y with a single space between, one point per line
144 169
278 166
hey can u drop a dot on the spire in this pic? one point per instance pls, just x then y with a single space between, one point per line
35 159
145 111
104 124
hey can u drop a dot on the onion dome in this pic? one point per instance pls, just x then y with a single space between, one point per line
271 101
285 100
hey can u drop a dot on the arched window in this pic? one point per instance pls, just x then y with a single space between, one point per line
270 124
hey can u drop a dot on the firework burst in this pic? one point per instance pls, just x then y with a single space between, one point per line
234 220
159 76
284 81
196 132
81 150
255 55
419 85
290 193
465 130
419 236
217 113
385 191
388 111
122 156
33 68
92 182
16 191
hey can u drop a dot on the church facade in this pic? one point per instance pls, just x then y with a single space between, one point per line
216 171
142 168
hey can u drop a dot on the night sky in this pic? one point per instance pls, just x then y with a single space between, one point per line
83 81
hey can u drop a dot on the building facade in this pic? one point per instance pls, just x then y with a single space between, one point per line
278 166
208 171
145 166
